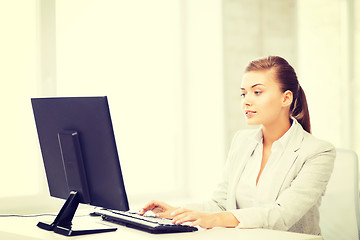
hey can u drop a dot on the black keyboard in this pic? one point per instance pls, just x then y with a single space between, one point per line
148 224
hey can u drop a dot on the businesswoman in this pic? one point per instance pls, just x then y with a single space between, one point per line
275 176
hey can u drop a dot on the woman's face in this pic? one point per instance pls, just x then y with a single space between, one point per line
263 102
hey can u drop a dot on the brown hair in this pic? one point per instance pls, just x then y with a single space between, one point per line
288 81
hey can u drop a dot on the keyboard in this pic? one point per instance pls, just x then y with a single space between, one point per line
148 224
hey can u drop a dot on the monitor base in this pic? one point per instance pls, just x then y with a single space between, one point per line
63 221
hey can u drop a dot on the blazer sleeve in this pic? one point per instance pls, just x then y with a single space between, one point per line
295 201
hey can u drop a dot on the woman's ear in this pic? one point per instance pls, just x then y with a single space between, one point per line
287 98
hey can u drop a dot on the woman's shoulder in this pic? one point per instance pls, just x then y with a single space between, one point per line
310 139
313 145
307 143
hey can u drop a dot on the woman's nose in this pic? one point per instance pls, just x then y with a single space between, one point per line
246 101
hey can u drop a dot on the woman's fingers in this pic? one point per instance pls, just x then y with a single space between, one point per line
185 215
179 211
196 223
200 222
195 218
150 206
160 209
184 218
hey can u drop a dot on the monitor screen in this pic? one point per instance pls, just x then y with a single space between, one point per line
79 150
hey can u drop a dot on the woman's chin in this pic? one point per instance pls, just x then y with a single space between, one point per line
252 122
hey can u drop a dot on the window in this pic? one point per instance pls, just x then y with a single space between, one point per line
133 56
160 67
20 170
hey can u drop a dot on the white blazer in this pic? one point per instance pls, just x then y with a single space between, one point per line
296 189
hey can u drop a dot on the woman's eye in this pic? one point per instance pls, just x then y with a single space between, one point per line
242 95
257 92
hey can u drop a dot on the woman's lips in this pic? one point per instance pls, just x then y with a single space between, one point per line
249 113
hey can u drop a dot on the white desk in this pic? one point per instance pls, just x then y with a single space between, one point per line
16 228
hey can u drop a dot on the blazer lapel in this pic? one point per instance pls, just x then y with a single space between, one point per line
231 199
286 161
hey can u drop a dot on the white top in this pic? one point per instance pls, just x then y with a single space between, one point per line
248 193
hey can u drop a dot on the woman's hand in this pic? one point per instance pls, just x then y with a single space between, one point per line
160 209
204 220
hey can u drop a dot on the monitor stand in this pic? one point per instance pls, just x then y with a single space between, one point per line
63 221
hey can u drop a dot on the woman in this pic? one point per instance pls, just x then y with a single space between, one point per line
274 176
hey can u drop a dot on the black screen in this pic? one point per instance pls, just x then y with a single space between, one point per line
89 118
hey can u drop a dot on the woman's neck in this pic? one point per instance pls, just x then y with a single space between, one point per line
275 131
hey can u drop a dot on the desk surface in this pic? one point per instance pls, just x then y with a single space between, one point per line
16 228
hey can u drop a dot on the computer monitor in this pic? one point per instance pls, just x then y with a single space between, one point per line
80 156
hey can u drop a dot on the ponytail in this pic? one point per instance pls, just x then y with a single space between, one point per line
299 110
288 81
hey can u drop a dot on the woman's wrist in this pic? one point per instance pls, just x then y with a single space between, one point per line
226 219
